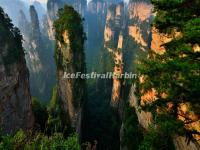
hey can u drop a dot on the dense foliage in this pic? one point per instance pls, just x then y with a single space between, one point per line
56 121
50 131
176 72
70 21
38 141
10 39
133 132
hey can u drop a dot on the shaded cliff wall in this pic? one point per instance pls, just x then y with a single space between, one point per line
39 57
95 23
15 98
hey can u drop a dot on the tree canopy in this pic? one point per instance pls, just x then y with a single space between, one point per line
176 73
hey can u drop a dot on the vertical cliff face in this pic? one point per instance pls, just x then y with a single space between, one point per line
39 55
15 98
70 60
136 43
40 10
140 18
122 30
35 36
23 24
32 39
95 23
33 44
113 42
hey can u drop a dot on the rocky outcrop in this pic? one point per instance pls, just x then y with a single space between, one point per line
113 39
122 30
145 118
140 18
70 60
68 88
15 97
54 5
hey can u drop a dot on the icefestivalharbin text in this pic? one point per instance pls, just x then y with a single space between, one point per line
95 75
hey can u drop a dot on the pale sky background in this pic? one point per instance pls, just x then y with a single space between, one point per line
44 1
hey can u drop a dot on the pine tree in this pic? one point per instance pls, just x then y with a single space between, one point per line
176 72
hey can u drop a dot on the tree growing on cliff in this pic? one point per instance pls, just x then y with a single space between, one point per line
69 20
11 39
175 75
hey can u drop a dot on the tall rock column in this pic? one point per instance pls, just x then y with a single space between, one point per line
15 98
70 59
113 39
54 5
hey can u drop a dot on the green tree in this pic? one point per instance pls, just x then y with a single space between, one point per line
69 20
177 71
40 113
10 41
39 141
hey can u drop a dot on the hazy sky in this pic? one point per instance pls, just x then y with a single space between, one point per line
44 1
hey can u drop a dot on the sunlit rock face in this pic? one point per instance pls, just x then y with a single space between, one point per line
113 42
142 10
145 118
15 98
185 111
140 18
131 27
71 91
